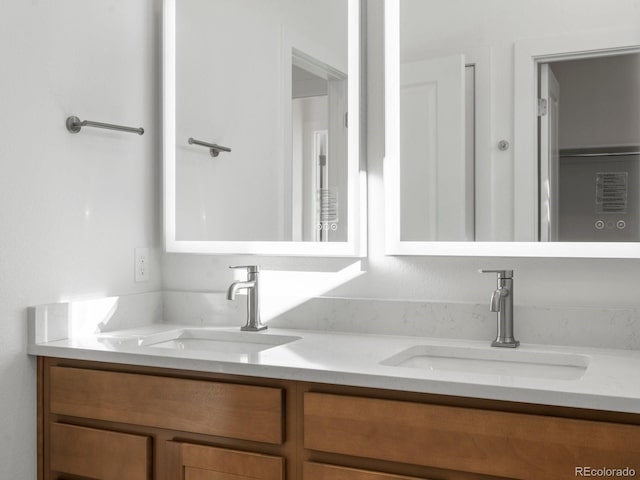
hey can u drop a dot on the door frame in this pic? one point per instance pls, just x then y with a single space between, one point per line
548 153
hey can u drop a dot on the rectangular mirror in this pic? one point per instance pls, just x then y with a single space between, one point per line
261 127
512 128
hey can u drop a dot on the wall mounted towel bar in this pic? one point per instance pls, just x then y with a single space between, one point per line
214 149
74 125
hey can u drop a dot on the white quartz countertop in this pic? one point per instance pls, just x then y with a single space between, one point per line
588 378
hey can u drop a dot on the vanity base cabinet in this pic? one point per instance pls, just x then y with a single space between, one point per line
104 421
187 461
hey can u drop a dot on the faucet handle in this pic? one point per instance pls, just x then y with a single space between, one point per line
502 274
250 268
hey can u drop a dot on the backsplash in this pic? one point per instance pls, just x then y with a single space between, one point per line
575 326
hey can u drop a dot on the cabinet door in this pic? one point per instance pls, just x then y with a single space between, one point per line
323 471
99 454
187 461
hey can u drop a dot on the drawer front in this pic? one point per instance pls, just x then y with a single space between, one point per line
187 461
99 454
323 471
211 408
470 440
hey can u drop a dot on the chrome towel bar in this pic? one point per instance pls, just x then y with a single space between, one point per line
214 149
74 125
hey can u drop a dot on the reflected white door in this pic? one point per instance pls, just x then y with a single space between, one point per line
549 113
434 171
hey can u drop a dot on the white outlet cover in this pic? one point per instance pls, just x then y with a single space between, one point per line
141 264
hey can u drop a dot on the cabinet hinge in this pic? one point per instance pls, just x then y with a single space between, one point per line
542 107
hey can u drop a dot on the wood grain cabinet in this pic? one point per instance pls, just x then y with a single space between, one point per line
493 443
103 421
212 408
96 453
114 422
198 462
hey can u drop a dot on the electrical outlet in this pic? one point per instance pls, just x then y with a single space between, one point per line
142 264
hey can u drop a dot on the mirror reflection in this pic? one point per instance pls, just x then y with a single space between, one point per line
458 115
266 82
589 149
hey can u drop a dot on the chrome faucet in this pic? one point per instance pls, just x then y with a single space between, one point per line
502 304
253 299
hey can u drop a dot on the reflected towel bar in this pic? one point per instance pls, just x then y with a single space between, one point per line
214 149
74 125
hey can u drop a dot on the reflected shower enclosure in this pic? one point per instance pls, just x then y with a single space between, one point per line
590 149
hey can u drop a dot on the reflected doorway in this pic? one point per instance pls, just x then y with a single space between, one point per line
589 149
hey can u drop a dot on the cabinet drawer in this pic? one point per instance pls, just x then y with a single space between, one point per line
99 454
212 408
187 461
464 439
323 471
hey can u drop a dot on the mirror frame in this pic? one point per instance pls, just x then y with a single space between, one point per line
355 246
528 53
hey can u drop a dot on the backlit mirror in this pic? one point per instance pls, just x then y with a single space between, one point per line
261 127
512 128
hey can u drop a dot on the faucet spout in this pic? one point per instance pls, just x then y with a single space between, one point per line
235 286
254 324
502 304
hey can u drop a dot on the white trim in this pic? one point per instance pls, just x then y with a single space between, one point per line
523 249
354 247
391 166
168 121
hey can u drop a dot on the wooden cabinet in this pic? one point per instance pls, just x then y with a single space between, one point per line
495 443
187 461
103 421
213 408
115 422
94 453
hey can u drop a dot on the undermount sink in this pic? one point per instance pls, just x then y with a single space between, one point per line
215 341
492 361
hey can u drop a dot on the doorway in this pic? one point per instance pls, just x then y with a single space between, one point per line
589 148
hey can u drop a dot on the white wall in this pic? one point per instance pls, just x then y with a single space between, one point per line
74 207
599 101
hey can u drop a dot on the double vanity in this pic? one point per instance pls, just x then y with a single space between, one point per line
179 401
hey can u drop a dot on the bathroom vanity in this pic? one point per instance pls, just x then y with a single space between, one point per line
108 421
152 403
